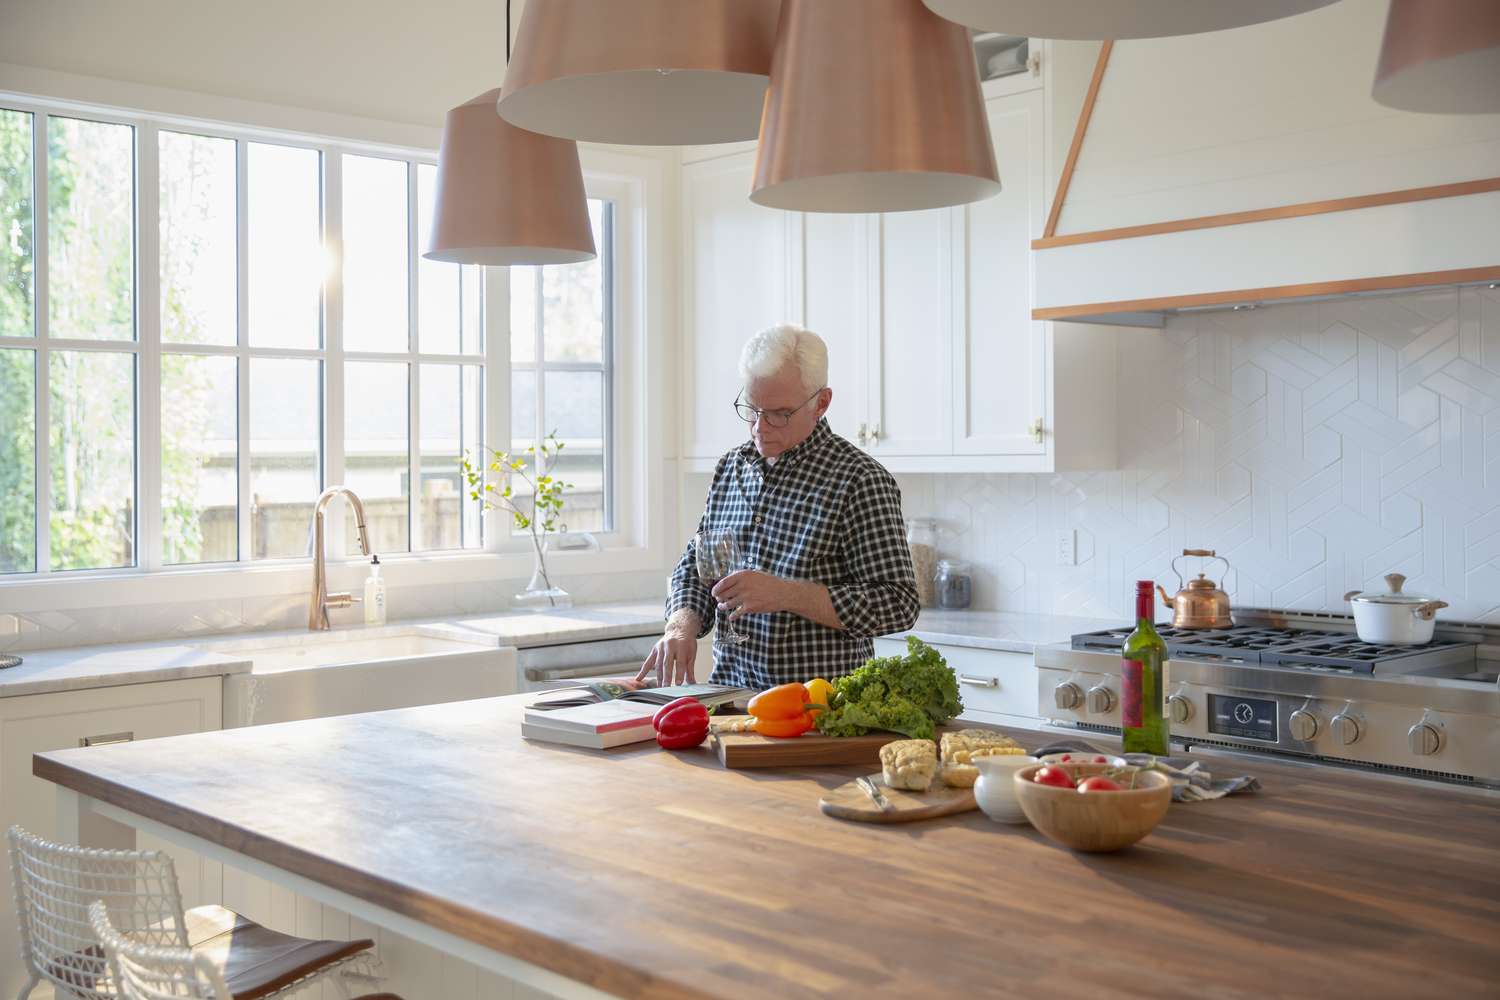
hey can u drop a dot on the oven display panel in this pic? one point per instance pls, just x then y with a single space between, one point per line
1247 718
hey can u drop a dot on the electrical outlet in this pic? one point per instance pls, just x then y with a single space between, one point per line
1067 547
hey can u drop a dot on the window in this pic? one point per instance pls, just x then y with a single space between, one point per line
185 362
561 372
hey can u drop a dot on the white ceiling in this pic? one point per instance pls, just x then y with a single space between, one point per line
384 59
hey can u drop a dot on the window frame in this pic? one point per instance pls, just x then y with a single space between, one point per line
634 543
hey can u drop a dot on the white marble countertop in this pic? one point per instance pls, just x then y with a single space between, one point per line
47 670
1008 631
586 623
75 668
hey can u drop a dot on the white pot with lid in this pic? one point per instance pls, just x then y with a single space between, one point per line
1392 616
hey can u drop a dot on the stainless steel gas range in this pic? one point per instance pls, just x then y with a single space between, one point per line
1302 683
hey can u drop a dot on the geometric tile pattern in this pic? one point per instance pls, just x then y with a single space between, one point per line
1317 447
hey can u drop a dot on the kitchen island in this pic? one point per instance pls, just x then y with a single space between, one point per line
645 873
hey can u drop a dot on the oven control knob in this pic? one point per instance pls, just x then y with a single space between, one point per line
1101 700
1068 695
1303 725
1180 708
1424 739
1346 728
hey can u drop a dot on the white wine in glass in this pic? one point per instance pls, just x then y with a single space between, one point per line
718 555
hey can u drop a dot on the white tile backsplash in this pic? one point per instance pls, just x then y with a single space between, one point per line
1316 446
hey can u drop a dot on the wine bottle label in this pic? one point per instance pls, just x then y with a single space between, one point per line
1130 696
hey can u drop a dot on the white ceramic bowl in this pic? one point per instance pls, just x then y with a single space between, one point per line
995 791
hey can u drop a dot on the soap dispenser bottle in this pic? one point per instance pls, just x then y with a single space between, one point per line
374 595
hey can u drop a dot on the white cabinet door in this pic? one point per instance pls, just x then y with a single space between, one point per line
839 288
1000 357
911 366
35 723
737 280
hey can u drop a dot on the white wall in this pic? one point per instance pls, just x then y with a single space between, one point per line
1318 447
1272 114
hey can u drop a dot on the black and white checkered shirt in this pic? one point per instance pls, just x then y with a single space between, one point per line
825 511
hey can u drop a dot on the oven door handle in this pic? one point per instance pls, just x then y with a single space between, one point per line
573 673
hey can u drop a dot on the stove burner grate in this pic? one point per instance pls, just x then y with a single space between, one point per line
1313 649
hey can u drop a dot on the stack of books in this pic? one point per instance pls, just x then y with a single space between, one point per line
600 718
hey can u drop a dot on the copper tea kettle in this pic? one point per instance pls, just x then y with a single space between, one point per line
1201 604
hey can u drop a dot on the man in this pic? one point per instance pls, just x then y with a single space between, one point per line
819 527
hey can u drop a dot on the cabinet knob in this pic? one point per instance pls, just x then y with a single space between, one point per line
1035 430
861 435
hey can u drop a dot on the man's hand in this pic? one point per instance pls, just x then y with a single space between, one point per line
749 592
671 659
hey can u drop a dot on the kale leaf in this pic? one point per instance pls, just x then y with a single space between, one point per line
908 694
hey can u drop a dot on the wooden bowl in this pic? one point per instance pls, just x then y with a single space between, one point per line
1094 821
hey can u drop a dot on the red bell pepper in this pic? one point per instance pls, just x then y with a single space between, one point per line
680 724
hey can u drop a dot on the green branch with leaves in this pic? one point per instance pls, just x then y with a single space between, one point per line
492 482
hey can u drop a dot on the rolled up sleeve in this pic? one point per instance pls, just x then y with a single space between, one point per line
879 595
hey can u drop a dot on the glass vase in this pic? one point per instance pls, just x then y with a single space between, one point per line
540 593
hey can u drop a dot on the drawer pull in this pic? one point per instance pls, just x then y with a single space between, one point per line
984 682
106 739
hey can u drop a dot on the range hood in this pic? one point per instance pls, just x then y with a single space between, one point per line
1203 175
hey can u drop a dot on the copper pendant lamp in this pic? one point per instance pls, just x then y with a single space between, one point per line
504 195
874 106
1100 19
641 72
1441 56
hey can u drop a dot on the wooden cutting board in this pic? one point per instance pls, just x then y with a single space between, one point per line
740 750
849 801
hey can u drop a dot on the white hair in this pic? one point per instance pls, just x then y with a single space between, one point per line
769 351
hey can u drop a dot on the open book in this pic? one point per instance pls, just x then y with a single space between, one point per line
592 694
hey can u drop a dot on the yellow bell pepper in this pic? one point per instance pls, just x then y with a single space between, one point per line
819 692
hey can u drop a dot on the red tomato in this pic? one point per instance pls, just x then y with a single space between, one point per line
1067 756
1098 783
1054 776
1101 760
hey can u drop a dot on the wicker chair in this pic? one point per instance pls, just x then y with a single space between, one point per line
56 884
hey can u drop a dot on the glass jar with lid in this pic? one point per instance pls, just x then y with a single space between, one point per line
955 587
921 539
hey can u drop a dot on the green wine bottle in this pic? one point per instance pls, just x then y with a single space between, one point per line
1143 680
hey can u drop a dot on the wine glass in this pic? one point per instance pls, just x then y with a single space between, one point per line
718 553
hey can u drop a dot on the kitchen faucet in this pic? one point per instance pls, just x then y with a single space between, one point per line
322 600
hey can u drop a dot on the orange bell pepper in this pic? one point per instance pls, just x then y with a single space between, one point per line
784 727
785 701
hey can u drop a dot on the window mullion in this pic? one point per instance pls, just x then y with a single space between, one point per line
333 338
413 374
242 341
496 318
149 465
41 253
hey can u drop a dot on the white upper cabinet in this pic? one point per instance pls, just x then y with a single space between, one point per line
838 250
934 360
1000 357
738 271
913 338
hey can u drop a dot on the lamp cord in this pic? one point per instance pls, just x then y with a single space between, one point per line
507 34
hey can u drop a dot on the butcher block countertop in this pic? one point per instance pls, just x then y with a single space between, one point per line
653 874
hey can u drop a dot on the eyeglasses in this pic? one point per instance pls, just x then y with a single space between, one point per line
775 418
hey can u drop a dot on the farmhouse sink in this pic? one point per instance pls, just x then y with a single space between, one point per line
311 675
